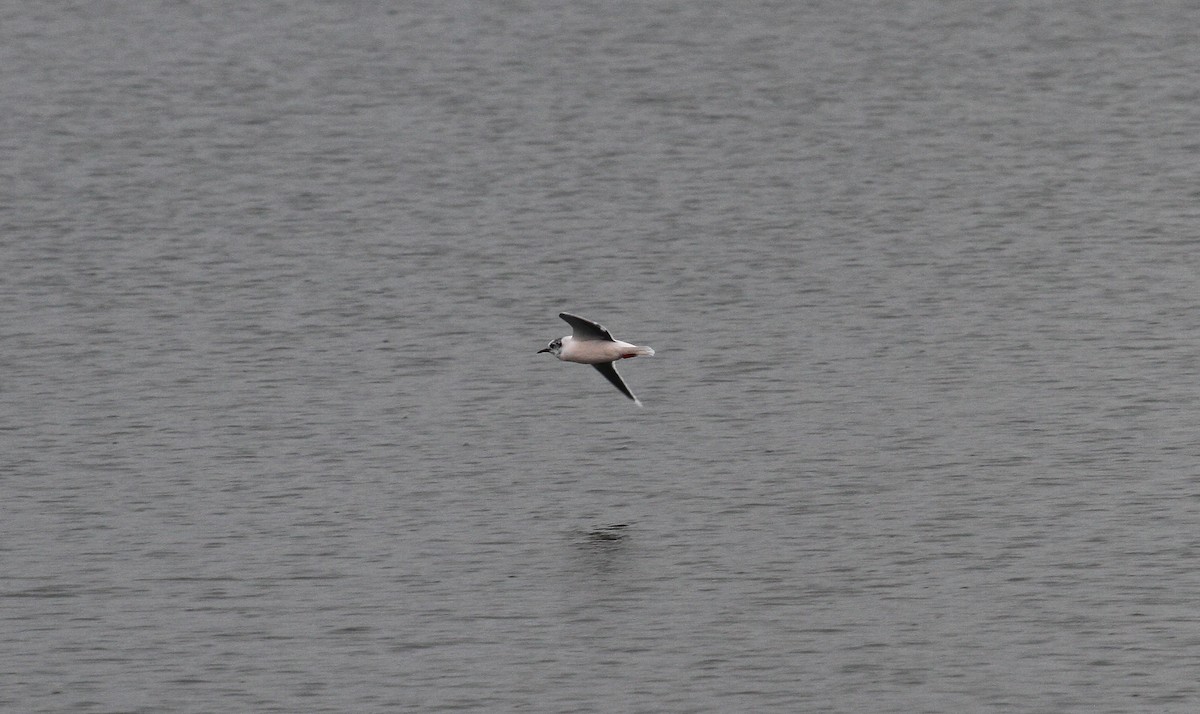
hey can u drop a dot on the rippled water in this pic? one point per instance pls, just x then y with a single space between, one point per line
920 434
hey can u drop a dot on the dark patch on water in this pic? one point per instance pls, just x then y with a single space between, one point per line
603 534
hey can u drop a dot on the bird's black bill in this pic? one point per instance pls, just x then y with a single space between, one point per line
544 349
610 373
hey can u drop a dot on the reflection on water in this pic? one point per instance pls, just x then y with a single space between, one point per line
610 533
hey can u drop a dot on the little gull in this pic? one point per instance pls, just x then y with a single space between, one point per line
590 343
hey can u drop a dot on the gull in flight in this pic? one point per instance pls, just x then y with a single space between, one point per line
590 343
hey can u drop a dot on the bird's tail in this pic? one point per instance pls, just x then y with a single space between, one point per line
644 351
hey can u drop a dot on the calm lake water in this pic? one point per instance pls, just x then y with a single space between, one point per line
920 436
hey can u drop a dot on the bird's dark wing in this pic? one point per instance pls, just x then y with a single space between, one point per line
582 329
610 373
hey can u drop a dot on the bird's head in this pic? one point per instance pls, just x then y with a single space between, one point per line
553 348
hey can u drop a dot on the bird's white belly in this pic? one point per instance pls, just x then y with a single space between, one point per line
595 351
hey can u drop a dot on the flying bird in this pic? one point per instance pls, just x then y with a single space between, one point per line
590 343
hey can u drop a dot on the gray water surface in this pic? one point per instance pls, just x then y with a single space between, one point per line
920 435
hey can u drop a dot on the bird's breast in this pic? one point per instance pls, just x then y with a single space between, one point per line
595 351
